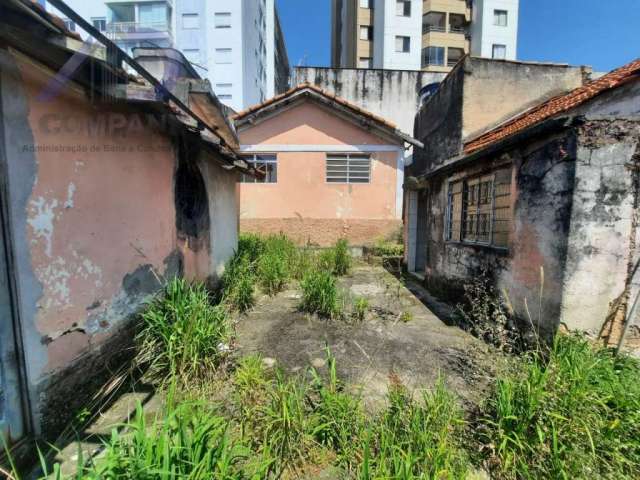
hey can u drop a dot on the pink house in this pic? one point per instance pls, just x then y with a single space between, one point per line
332 169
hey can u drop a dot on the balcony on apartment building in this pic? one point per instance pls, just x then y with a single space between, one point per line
445 22
143 21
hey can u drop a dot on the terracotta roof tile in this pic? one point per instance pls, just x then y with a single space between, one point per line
556 105
316 89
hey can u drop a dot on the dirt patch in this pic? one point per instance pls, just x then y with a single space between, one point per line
369 353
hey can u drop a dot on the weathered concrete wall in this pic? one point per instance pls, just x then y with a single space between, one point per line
224 207
302 203
392 94
602 234
496 90
541 202
602 281
95 229
438 125
478 94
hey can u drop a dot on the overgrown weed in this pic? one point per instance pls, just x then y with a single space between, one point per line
183 334
572 414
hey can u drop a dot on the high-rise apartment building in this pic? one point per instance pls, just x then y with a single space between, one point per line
238 45
430 35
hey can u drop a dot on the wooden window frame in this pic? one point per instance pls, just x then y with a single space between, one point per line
474 198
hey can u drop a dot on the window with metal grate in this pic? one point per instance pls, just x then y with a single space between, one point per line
348 168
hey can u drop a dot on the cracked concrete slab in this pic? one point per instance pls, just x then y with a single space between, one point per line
368 353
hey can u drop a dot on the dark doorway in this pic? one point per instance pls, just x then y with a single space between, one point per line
422 231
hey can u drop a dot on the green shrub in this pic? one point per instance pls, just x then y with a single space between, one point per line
360 309
406 317
336 259
388 249
416 439
300 263
182 331
273 272
238 283
190 441
320 294
287 421
251 246
342 258
575 414
339 416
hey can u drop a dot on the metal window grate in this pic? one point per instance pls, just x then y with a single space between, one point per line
349 168
267 164
479 210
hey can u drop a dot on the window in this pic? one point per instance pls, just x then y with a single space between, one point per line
366 32
433 56
454 55
434 22
499 52
153 15
69 25
351 168
222 20
223 55
403 8
267 164
457 23
192 54
366 4
479 209
403 44
190 21
99 23
365 62
500 18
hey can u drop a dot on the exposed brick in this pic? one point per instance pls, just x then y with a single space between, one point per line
324 232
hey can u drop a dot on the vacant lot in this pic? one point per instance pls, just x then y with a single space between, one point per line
310 365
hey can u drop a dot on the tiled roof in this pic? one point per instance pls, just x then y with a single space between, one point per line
308 86
556 105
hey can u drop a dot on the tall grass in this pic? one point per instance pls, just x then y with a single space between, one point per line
575 414
183 333
320 294
416 438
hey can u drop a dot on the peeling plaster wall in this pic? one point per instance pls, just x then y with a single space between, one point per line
94 230
603 243
541 199
224 206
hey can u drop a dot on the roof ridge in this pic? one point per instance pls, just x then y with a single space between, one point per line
306 85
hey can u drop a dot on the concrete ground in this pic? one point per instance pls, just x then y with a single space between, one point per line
400 338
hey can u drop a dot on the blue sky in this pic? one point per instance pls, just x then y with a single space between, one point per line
580 32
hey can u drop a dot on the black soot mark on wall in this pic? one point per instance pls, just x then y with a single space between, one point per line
192 204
